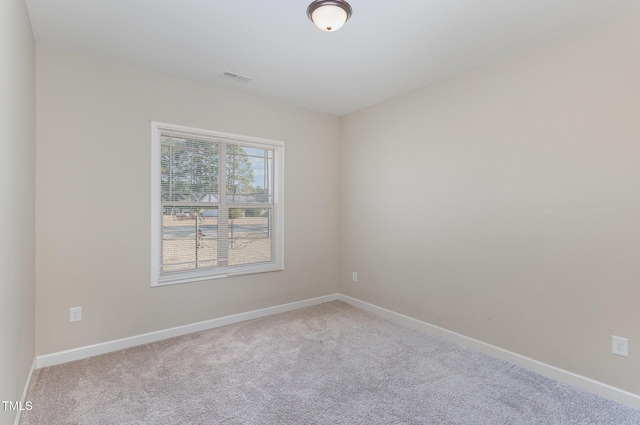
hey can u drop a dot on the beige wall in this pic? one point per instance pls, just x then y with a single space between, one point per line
17 194
93 191
504 204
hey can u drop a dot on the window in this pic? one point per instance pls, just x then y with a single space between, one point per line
216 204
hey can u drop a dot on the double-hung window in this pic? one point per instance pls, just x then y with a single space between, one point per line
217 204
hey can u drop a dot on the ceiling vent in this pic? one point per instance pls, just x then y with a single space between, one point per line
236 77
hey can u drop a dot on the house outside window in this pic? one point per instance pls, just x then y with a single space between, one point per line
217 204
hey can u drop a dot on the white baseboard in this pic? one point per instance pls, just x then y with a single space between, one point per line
582 382
23 399
119 344
587 384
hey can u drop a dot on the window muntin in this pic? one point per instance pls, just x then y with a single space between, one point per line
217 204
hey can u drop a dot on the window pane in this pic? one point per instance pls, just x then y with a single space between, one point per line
189 170
250 236
249 174
189 239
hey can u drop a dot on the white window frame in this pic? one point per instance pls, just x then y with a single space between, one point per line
277 263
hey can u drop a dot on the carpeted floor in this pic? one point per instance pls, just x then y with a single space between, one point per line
327 364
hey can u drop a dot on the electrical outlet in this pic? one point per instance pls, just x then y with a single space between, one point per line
354 276
75 314
620 346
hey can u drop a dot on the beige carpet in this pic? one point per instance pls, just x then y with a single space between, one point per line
327 364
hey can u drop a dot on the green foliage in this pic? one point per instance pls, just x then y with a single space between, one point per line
239 171
253 212
190 169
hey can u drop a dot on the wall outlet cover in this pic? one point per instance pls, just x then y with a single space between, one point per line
75 314
620 346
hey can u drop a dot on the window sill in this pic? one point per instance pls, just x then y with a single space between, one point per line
215 274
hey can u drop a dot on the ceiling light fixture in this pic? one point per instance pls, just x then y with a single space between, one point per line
329 15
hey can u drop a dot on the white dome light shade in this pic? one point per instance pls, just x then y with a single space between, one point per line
329 15
329 18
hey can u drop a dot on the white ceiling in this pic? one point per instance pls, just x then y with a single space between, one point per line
387 48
